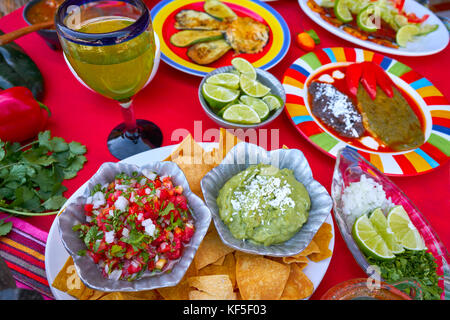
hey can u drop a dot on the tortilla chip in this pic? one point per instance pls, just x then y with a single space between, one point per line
219 262
301 257
142 295
113 296
188 148
210 250
194 173
210 158
181 290
322 238
216 286
228 267
302 265
295 259
259 278
97 295
60 282
298 285
226 142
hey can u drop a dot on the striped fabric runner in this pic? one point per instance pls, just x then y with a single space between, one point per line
23 250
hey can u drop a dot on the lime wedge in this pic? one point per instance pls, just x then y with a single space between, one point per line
364 18
273 102
226 79
218 96
253 88
427 28
241 113
405 232
379 222
368 239
244 67
400 20
406 34
342 11
257 104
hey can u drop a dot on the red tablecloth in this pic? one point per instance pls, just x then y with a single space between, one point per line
171 102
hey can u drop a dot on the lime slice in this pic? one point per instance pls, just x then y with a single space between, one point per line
244 67
400 20
253 88
218 96
406 34
405 232
257 104
226 79
368 239
273 102
427 28
222 110
342 11
379 222
364 18
241 113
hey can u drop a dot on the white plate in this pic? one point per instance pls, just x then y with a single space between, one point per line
56 255
423 46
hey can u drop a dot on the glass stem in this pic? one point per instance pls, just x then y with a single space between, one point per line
129 120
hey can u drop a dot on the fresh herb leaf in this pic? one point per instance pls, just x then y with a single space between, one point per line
5 227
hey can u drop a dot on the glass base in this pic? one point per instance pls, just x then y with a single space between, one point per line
123 144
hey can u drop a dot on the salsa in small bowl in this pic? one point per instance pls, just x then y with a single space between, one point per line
134 228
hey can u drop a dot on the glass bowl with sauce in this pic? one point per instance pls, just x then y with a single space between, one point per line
39 11
367 289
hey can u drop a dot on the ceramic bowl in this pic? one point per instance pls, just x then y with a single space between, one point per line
265 78
241 157
89 272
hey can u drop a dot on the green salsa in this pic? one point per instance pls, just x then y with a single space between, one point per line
264 204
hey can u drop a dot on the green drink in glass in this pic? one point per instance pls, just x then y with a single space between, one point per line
111 47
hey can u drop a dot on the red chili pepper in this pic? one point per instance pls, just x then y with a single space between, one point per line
352 77
383 80
21 116
398 4
412 18
368 79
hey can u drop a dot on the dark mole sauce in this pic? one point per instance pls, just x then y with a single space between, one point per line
341 85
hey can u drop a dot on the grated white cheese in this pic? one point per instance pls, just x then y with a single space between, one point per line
326 78
337 74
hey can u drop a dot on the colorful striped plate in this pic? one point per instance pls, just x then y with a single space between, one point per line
435 107
163 18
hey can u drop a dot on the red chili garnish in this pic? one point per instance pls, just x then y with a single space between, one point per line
352 77
368 79
383 80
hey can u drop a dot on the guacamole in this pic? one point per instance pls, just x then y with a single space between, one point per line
264 204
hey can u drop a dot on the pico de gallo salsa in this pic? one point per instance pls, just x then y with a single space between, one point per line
134 224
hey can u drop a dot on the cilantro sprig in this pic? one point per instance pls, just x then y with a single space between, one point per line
31 175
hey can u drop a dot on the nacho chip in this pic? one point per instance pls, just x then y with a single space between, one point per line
295 259
60 282
298 285
194 173
228 267
219 261
97 295
259 278
181 290
302 265
301 257
210 250
142 295
113 296
322 238
215 286
226 142
188 148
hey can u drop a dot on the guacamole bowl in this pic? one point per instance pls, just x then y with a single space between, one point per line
74 214
241 157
